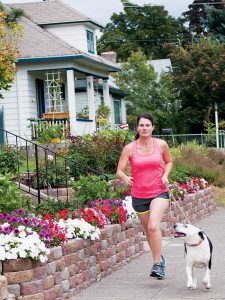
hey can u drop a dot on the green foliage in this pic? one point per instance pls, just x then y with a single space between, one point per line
47 133
100 152
140 27
10 197
10 159
139 80
52 206
103 111
10 31
52 173
84 113
215 20
198 17
197 161
90 187
199 73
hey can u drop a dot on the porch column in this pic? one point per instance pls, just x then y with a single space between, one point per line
107 98
91 101
71 100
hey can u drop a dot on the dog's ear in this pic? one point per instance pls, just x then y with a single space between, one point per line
201 234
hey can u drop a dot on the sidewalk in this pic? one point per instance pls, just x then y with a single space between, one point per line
133 281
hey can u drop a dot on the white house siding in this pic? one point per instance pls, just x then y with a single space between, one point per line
84 127
19 104
11 115
97 99
81 101
73 34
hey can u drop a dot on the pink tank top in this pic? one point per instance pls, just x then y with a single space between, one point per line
147 171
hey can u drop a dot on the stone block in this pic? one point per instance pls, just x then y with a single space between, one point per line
14 265
32 287
19 277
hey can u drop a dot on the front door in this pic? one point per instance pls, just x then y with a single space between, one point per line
40 97
117 111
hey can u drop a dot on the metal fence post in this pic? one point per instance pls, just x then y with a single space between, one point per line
37 173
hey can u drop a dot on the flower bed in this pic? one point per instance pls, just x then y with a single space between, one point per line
74 265
61 251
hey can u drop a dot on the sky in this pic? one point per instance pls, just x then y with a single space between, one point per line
101 10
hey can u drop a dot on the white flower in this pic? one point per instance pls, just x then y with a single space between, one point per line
50 157
79 228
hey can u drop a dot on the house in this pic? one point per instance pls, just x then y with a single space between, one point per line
59 74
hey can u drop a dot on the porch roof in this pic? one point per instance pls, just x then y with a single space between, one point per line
53 12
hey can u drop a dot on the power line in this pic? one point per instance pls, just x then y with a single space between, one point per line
152 4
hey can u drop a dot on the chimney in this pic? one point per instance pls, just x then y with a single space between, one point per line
110 55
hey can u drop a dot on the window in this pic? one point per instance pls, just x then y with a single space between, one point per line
90 42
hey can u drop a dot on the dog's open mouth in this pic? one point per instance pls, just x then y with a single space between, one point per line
179 234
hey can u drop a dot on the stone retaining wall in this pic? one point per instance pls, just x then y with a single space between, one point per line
75 265
79 263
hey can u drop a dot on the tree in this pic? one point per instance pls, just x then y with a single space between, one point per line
196 16
138 80
9 33
146 28
145 92
199 72
215 23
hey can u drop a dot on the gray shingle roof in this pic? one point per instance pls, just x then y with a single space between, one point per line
37 42
48 12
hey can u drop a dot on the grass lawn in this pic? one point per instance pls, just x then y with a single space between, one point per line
31 165
219 195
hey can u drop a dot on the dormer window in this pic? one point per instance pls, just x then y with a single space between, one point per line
90 42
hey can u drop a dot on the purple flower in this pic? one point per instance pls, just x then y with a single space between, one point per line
2 216
25 221
16 231
20 211
15 219
7 229
8 218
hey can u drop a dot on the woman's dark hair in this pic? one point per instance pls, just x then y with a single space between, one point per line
144 115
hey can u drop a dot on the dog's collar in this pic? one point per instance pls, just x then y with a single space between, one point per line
194 245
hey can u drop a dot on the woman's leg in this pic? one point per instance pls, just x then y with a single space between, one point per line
144 218
158 207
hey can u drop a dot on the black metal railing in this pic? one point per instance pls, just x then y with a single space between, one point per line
40 169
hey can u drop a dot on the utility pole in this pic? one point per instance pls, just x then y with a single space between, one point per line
217 127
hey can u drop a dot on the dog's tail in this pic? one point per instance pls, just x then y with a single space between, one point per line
211 248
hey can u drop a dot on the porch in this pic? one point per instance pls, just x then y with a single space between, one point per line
68 101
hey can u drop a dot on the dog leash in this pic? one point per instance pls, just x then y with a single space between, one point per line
181 209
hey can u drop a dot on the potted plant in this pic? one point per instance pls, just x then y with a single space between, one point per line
102 114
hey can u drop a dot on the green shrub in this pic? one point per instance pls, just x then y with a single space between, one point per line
100 152
52 173
47 133
10 159
91 187
52 206
197 161
10 195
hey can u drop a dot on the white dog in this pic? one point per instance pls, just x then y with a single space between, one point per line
198 250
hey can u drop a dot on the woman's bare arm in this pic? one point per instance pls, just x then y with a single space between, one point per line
122 165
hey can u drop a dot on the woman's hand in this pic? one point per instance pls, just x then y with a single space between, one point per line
165 180
127 180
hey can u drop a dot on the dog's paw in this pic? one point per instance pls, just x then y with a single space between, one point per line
191 285
206 284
